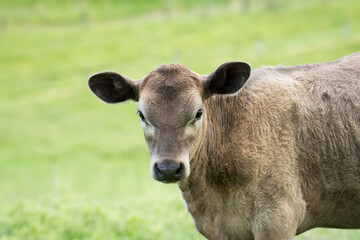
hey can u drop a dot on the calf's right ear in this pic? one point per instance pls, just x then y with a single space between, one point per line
111 87
226 79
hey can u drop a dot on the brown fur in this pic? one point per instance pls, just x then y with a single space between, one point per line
277 158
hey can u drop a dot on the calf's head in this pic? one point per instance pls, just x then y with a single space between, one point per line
171 109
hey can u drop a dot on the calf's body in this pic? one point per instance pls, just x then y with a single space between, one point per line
276 158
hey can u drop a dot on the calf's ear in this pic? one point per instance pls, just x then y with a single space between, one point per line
111 87
227 79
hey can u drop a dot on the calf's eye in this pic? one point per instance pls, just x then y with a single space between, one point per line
141 115
198 114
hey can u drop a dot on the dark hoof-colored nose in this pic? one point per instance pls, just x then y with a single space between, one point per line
168 171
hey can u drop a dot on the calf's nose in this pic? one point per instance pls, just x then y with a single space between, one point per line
168 171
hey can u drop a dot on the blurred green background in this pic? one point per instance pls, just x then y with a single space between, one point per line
72 167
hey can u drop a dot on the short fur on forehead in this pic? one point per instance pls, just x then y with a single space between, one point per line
170 89
171 77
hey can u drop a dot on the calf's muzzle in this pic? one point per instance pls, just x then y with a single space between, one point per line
169 171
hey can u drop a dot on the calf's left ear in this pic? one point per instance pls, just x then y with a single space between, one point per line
112 87
227 79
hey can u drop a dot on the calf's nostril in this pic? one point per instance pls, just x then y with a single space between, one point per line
179 170
157 171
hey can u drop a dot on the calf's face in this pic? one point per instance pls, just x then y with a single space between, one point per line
171 109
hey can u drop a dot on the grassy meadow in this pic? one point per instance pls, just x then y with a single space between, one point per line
72 167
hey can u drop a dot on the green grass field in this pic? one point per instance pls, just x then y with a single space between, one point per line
72 167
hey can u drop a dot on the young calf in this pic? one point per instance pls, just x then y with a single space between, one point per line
265 155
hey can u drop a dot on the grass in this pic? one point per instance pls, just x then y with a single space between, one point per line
72 167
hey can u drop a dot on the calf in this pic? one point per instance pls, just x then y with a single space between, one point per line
261 155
